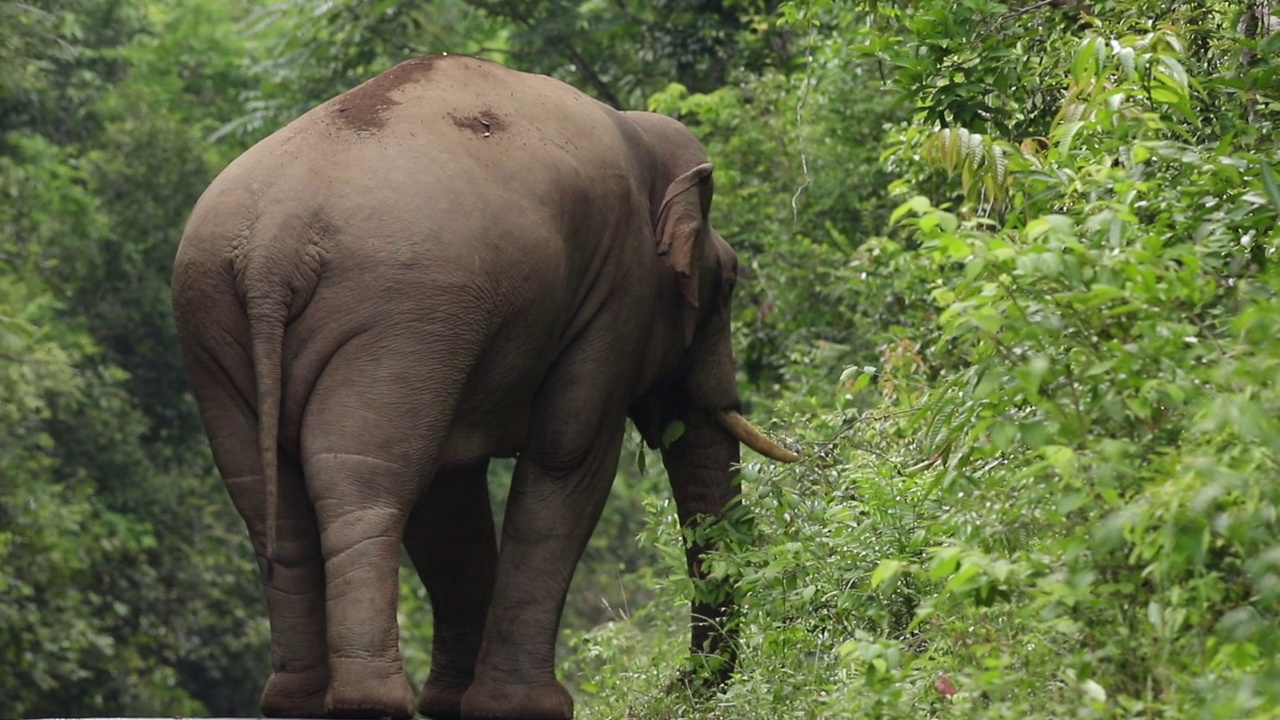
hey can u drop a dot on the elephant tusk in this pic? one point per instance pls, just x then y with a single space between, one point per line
747 434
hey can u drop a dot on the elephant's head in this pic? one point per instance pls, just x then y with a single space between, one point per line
698 386
697 278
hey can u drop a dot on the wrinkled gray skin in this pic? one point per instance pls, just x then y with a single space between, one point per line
452 262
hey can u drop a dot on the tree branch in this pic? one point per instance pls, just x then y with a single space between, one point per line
511 11
602 87
635 17
1077 6
1012 14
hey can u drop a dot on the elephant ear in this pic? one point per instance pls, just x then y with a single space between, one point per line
681 220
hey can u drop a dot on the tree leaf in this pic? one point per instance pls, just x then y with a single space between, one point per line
1270 185
672 433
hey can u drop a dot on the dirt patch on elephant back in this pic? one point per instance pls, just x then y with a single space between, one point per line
364 108
484 123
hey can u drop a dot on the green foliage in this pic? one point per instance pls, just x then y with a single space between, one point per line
701 45
57 57
1094 361
117 591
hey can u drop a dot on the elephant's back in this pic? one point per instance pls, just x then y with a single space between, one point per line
468 107
450 142
449 124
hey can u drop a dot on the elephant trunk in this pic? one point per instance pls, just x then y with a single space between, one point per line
701 465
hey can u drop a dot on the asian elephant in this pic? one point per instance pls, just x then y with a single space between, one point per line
451 262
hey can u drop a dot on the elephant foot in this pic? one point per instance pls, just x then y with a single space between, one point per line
493 701
441 700
353 694
295 694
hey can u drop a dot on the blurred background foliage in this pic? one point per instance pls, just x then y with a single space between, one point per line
1010 285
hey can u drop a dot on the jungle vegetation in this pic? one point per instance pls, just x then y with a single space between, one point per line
1011 287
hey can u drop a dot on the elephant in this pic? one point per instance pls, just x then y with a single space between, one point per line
451 262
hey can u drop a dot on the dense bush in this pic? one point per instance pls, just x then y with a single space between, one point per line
122 567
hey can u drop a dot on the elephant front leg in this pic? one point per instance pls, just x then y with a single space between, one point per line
553 506
450 539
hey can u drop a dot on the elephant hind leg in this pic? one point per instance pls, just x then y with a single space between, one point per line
362 504
295 598
450 538
372 433
295 591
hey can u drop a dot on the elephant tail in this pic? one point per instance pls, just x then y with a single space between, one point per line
266 335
